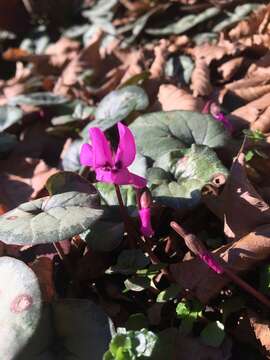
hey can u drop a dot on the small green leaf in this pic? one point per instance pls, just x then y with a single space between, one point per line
213 334
137 283
118 104
265 279
249 155
49 219
170 293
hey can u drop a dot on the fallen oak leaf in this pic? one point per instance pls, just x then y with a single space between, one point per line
252 93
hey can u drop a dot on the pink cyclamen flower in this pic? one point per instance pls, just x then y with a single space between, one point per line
146 227
209 260
112 168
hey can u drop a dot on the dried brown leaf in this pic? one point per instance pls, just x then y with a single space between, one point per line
200 79
240 206
250 112
89 57
253 92
43 268
263 122
239 256
262 332
230 68
173 98
158 66
250 25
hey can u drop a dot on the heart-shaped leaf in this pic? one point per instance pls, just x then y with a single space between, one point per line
65 181
118 104
20 305
38 99
129 261
7 142
49 219
189 174
82 328
160 132
213 334
9 115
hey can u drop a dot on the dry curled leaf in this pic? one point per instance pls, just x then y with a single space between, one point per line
173 98
250 25
262 332
230 68
43 268
88 58
200 79
263 122
250 112
240 206
253 92
158 66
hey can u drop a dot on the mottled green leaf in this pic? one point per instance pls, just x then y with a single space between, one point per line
20 304
9 115
38 99
185 23
213 334
118 104
160 132
65 181
49 219
137 283
240 12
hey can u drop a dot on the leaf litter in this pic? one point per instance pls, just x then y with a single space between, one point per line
191 80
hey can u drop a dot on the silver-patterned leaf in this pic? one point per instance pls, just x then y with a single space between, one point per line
20 306
49 219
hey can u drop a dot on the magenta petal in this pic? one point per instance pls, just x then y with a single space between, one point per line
119 177
102 155
86 155
126 150
137 181
208 259
146 227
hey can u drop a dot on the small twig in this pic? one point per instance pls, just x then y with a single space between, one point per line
198 248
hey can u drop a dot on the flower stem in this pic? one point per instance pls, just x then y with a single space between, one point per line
198 248
126 219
